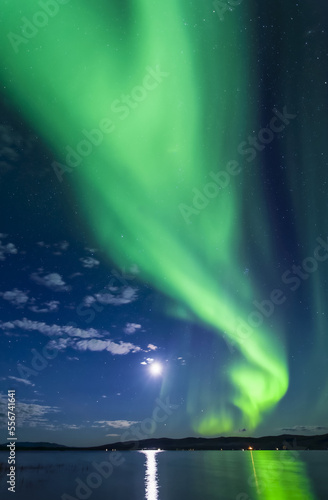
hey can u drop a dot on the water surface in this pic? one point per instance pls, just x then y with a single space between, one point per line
169 475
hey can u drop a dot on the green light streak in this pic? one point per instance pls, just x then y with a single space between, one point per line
65 80
256 475
279 476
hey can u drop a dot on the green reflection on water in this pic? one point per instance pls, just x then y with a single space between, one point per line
256 475
278 476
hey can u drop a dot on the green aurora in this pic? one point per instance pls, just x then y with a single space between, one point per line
159 148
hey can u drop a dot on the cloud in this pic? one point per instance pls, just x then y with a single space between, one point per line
304 428
7 249
21 380
148 361
14 147
112 435
29 414
89 262
54 281
75 275
63 245
116 424
127 295
61 344
73 427
50 330
131 328
152 347
106 345
89 299
92 339
20 299
15 297
91 250
57 248
48 307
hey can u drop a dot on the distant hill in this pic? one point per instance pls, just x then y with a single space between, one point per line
35 446
285 441
289 441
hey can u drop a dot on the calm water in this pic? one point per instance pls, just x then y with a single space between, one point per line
166 475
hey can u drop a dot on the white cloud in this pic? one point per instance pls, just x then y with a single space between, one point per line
7 249
54 281
15 297
131 328
152 347
73 427
92 339
61 344
50 330
88 300
89 262
127 295
116 424
47 307
148 361
29 414
106 345
21 380
20 299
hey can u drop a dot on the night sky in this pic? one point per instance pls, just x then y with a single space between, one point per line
163 201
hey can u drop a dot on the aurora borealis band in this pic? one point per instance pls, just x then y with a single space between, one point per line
149 128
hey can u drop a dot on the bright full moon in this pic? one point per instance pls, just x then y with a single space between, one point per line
155 368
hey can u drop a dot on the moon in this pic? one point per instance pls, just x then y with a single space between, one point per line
155 368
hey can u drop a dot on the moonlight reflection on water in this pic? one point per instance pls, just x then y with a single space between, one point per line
151 483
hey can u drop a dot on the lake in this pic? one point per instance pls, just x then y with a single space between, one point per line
168 475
